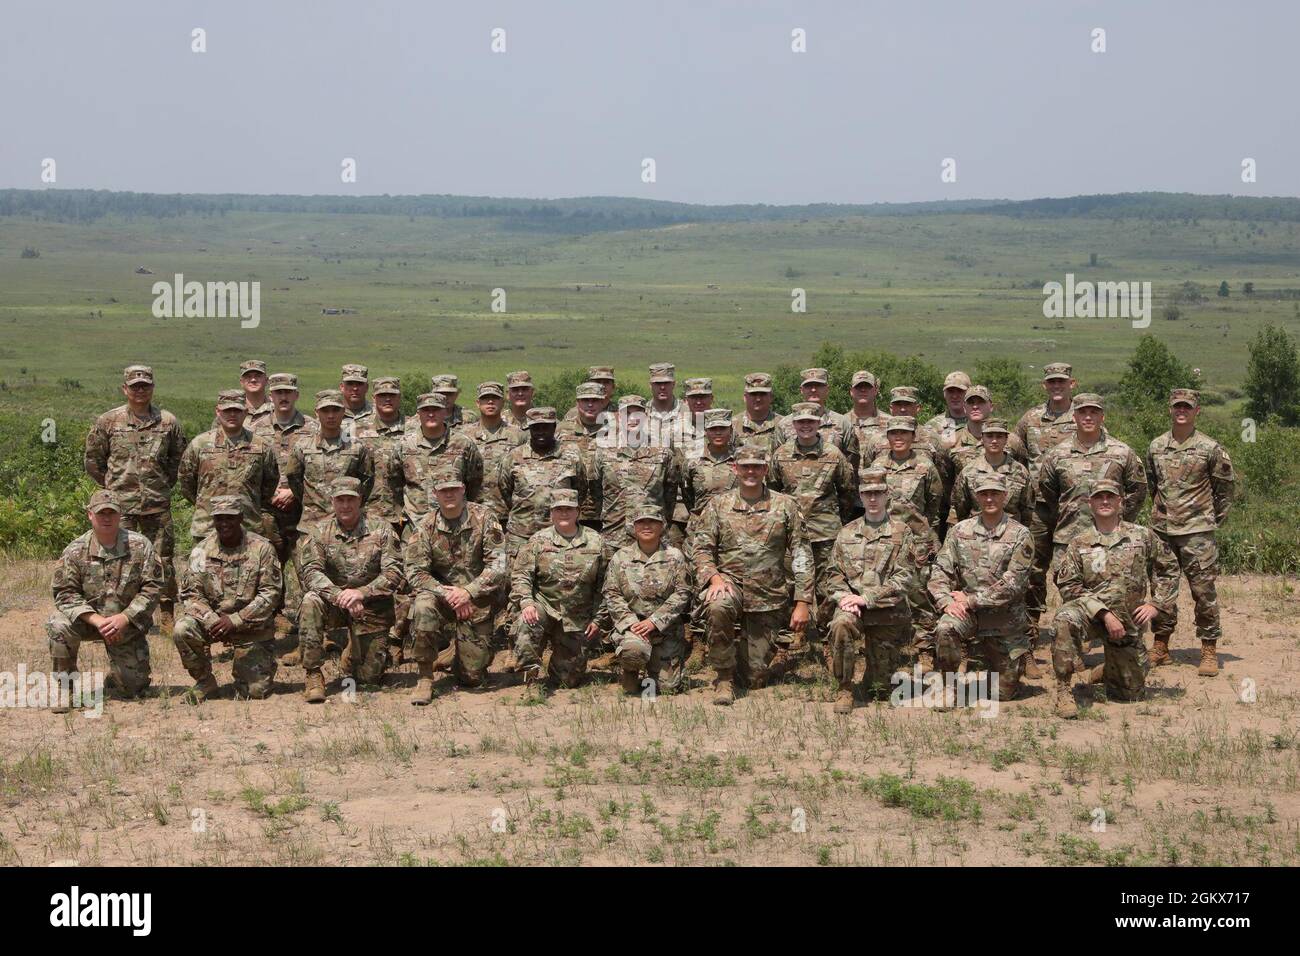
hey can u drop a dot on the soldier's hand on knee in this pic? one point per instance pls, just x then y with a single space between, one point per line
592 631
643 628
1114 626
799 618
1145 613
853 604
530 615
464 611
223 627
719 587
351 601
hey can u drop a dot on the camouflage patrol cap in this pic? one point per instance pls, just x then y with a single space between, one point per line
663 372
805 410
1105 484
539 416
863 377
817 376
751 455
590 390
631 401
446 484
137 373
872 479
758 382
282 382
520 379
600 373
225 505
1185 396
717 418
491 390
329 396
444 383
103 500
355 373
1088 400
252 365
904 393
979 391
956 380
900 423
1057 370
647 513
430 400
996 426
387 385
564 498
346 486
699 386
230 398
989 481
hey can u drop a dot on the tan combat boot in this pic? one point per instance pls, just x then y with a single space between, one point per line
1209 659
925 660
1064 703
395 656
423 692
446 658
1159 651
631 683
724 692
293 658
205 688
844 700
1095 675
314 690
1032 670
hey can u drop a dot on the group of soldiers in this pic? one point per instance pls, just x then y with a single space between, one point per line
633 534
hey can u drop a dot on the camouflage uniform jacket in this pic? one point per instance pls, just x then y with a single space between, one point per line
966 448
316 463
284 437
368 559
1040 430
630 476
125 579
582 438
664 427
524 480
655 587
353 418
138 460
493 446
459 417
821 480
705 477
866 432
1191 483
423 462
835 429
915 491
1112 572
1065 480
875 561
751 545
764 433
560 576
468 553
244 582
927 442
215 465
991 566
946 427
1020 492
383 503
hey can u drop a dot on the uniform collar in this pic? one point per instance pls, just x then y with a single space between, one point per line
739 503
243 439
118 550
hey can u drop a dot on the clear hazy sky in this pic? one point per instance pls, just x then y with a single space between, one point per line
710 90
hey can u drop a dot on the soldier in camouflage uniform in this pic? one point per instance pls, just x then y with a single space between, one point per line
354 382
495 436
978 582
835 428
966 445
871 571
713 472
953 418
647 594
688 444
1104 575
457 566
520 390
664 412
229 460
632 470
351 569
602 375
904 402
528 472
750 554
448 386
555 582
317 462
230 592
135 451
106 585
867 421
431 453
252 382
581 431
757 426
993 459
1191 480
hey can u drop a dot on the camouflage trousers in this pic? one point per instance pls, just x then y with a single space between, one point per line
885 634
987 640
568 658
286 540
367 635
128 659
822 611
434 626
254 665
1126 664
922 608
158 528
757 641
1198 559
1036 596
661 656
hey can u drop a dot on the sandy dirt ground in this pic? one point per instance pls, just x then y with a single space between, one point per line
1204 771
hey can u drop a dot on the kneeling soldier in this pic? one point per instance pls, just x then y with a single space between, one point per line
871 569
647 593
351 568
979 581
230 593
106 586
456 561
1104 575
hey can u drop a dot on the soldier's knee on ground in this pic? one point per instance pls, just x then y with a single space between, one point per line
633 652
254 668
129 665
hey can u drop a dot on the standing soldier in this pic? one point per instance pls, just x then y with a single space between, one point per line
230 593
229 460
867 421
252 382
978 582
993 459
750 559
432 453
106 584
1105 572
519 389
1191 480
688 444
448 386
966 444
582 431
713 472
456 561
871 571
351 569
317 462
602 375
758 425
664 411
834 427
946 426
135 452
528 472
647 594
555 582
495 436
904 402
354 382
632 469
